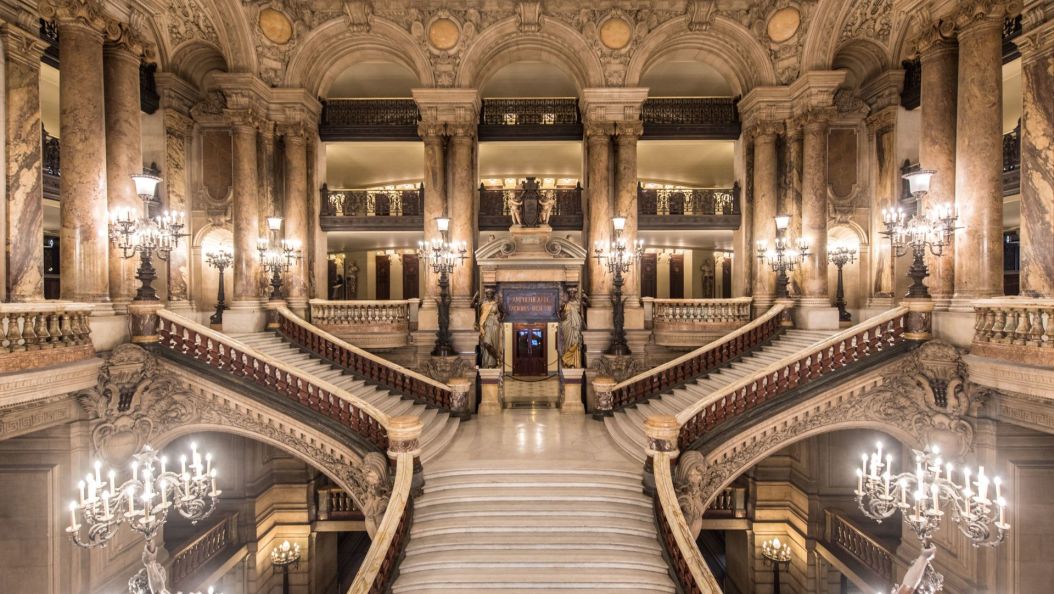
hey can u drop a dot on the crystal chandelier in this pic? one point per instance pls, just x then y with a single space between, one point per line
922 498
277 256
139 234
443 256
931 230
782 258
142 503
618 255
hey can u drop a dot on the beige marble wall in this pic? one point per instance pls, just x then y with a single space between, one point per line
814 209
246 210
124 153
24 222
600 209
940 83
627 134
1037 161
766 184
295 209
83 235
978 159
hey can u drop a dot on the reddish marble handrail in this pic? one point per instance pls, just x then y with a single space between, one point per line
845 535
687 566
228 356
197 553
370 367
378 569
844 348
698 362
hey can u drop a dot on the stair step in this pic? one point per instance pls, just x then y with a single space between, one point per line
534 511
538 560
456 579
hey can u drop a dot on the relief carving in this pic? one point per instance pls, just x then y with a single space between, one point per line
188 20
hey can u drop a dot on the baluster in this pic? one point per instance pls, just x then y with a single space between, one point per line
13 338
67 333
29 335
79 326
999 326
43 336
1021 330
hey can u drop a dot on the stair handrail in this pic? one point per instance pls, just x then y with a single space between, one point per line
778 377
389 541
703 359
884 567
246 362
686 561
376 369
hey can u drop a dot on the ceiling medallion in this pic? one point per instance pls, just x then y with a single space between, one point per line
615 33
444 33
784 24
275 26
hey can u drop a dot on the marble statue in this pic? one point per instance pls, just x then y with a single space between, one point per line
489 326
546 204
351 281
571 331
707 270
516 208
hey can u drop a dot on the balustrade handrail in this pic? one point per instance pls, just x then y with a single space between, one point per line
359 302
703 359
371 367
1013 302
243 361
729 301
686 561
778 377
378 568
45 306
224 528
838 518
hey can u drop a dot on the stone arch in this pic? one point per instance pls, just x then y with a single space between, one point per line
194 60
234 29
862 58
726 46
503 44
823 33
329 49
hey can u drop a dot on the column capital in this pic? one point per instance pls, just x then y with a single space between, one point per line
629 132
884 90
937 38
431 132
126 41
21 46
794 129
176 94
245 118
612 104
295 132
882 120
448 106
461 132
815 118
84 13
767 130
595 131
980 13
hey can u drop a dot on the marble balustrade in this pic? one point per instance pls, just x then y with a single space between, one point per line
43 333
687 313
1017 329
367 323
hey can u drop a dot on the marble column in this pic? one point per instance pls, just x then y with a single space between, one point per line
744 259
626 136
434 198
1037 160
246 210
940 82
814 210
24 223
266 196
462 204
295 211
881 127
84 235
790 203
979 158
178 126
124 152
598 199
766 184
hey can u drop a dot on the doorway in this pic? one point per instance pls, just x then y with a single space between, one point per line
528 350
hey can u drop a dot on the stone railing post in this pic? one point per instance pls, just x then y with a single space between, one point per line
404 435
490 399
649 310
414 306
661 431
144 322
571 381
920 319
459 401
605 401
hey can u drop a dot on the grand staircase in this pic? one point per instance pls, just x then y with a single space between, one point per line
439 427
626 426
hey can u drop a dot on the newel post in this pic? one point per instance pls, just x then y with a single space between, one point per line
605 400
144 322
919 325
404 434
662 432
460 386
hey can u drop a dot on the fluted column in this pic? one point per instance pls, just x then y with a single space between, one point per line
435 196
1037 152
24 223
979 155
124 149
246 210
766 184
814 209
84 236
940 81
462 203
295 211
626 136
598 199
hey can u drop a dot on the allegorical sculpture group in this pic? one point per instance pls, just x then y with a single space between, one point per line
490 318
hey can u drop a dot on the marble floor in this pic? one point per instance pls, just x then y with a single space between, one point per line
532 393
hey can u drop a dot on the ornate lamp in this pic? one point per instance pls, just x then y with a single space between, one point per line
619 256
777 555
931 230
277 256
922 498
782 258
444 257
143 503
282 557
142 235
219 258
841 254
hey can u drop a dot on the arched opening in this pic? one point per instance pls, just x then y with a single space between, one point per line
685 78
528 78
369 79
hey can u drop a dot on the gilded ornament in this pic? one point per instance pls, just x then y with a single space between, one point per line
615 33
784 24
444 34
275 26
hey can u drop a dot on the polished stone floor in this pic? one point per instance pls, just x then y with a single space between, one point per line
532 393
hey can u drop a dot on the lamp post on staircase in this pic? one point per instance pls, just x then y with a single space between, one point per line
619 257
443 256
840 255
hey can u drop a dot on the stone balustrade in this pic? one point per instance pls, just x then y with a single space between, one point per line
335 503
45 333
367 323
1017 329
694 322
843 536
729 503
188 559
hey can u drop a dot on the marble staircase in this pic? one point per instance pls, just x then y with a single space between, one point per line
627 426
439 427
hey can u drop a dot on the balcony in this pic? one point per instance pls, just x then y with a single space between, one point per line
368 119
1012 161
715 118
371 210
51 164
494 205
554 118
688 208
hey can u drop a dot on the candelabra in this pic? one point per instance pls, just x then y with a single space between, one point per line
219 258
921 498
840 255
932 230
277 256
143 503
283 556
618 256
778 555
142 235
781 257
443 256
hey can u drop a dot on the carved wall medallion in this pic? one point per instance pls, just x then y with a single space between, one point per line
784 24
615 33
275 26
444 33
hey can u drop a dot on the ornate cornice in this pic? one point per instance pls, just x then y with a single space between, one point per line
20 46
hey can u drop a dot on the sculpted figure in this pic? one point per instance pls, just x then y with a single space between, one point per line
571 331
489 326
516 208
546 205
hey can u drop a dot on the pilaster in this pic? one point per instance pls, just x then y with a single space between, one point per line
177 99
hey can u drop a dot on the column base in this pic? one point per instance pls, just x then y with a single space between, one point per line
297 305
602 317
762 304
816 315
954 326
244 317
271 315
108 329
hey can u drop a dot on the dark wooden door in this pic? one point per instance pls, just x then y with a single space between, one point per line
677 276
528 350
649 276
411 282
384 277
726 278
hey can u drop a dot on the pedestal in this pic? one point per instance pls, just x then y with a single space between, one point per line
816 315
602 386
144 321
920 319
490 399
571 380
244 317
460 386
272 316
